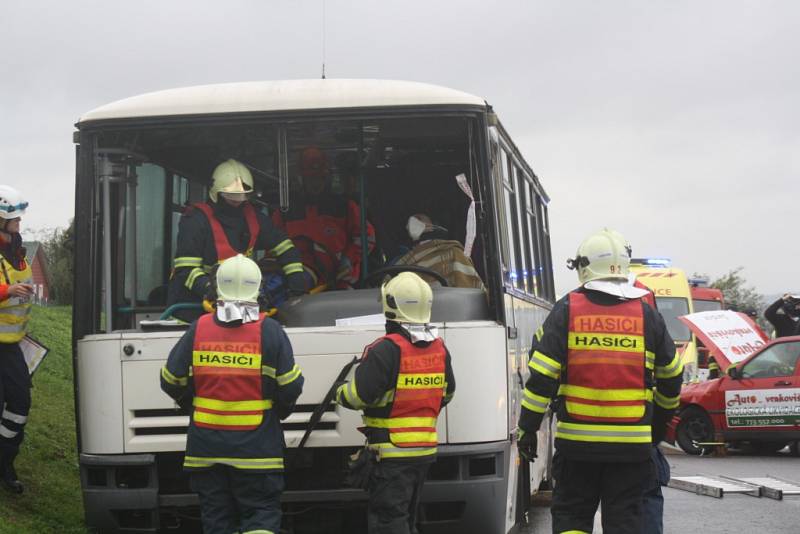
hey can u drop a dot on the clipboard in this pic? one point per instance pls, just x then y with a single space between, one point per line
34 353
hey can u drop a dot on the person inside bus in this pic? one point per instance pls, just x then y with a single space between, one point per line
326 227
16 290
432 249
213 231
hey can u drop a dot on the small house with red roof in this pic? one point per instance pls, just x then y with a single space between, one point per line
34 255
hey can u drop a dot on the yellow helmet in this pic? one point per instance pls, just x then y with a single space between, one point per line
238 279
601 256
407 298
231 177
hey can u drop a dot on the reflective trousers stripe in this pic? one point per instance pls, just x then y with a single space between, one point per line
14 418
7 433
239 463
603 433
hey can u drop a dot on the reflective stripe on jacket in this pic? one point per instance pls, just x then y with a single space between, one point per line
14 311
406 426
608 382
224 248
226 365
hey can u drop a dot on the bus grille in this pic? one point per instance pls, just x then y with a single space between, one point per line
156 422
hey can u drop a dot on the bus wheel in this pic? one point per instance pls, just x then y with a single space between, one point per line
695 427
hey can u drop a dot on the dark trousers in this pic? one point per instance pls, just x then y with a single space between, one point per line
618 488
395 488
15 397
653 498
233 500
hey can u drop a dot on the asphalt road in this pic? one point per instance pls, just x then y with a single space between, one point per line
687 513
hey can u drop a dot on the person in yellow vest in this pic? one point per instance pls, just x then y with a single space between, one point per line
403 381
609 358
234 369
16 290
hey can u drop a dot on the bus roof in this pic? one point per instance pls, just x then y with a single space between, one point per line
285 95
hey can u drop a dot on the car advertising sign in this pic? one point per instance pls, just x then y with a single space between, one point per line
762 407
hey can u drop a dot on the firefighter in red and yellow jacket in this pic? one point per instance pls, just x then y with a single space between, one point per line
403 381
325 227
226 225
609 358
235 370
16 291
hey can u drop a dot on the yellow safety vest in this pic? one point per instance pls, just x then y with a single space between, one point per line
14 311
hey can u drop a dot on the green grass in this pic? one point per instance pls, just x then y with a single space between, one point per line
48 461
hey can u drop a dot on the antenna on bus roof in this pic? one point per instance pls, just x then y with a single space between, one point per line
323 39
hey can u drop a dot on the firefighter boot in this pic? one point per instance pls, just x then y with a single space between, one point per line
9 474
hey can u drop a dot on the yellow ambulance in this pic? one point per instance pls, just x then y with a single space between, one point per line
673 299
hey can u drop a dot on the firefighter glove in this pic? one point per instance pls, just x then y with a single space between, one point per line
297 284
526 443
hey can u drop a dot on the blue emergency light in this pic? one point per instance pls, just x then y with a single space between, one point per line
653 262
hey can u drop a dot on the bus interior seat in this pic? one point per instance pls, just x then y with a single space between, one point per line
449 304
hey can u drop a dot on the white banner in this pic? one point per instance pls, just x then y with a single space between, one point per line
726 333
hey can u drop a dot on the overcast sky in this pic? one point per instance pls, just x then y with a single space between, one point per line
675 122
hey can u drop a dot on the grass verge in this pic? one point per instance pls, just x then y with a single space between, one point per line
48 462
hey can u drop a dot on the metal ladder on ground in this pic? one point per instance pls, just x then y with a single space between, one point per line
717 486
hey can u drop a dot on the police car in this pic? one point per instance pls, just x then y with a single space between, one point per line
756 401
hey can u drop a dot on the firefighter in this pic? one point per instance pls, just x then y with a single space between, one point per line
235 371
610 359
16 290
226 225
713 368
326 227
404 380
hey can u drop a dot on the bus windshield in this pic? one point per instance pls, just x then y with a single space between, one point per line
706 305
671 308
391 167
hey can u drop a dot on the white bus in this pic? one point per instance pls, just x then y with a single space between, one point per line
141 160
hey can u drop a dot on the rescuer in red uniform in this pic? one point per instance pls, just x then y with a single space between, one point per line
610 359
226 225
325 227
403 382
236 371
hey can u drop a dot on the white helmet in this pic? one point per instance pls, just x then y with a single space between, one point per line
12 205
407 298
601 256
238 280
231 177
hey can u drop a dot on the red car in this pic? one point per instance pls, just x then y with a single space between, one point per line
757 401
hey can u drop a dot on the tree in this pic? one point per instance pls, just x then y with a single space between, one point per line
738 295
59 249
